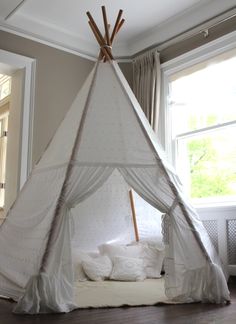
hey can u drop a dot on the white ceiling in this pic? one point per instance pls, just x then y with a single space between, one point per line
63 23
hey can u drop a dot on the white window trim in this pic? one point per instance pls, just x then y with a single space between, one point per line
205 52
12 62
205 130
196 56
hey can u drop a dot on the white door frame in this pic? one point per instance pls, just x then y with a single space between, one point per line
10 62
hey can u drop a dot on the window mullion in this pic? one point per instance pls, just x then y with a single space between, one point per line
205 130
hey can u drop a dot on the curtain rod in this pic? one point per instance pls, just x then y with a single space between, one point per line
202 28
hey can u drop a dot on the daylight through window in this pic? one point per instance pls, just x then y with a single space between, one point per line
202 104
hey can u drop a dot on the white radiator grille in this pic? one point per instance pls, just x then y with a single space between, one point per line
231 241
211 227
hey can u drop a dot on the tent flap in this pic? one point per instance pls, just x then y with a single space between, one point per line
46 294
190 274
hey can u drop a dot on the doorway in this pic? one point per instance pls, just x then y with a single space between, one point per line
16 123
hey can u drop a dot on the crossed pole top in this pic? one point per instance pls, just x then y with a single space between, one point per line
105 42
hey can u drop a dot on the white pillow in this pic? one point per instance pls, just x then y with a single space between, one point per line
78 257
128 269
98 269
153 256
114 250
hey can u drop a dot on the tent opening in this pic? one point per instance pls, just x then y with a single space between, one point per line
102 226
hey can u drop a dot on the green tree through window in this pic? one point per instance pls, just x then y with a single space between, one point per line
209 176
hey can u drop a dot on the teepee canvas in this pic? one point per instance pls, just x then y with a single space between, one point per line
104 130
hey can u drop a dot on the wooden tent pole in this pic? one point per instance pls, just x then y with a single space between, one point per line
116 25
99 35
106 41
100 57
131 198
103 49
117 31
120 25
106 26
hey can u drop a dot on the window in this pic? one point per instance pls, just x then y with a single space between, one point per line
5 86
202 122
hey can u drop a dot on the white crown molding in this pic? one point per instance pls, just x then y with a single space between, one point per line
61 39
66 40
39 39
50 34
117 51
36 38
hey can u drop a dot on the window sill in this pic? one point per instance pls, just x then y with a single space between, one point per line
213 205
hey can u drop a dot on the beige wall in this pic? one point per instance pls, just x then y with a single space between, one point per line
59 76
127 69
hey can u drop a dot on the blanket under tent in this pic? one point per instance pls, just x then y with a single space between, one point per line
117 293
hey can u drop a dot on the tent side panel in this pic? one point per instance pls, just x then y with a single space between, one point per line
24 233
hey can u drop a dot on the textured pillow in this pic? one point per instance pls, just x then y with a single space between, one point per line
127 269
78 257
114 250
98 269
153 256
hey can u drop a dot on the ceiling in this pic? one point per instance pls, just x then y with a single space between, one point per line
64 24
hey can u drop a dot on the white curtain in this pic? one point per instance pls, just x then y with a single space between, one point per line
147 85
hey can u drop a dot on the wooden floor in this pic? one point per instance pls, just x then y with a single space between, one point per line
177 314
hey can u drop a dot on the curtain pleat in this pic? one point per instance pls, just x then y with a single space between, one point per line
147 85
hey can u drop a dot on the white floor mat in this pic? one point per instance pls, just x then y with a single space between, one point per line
117 293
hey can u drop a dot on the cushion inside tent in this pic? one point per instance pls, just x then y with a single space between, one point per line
106 217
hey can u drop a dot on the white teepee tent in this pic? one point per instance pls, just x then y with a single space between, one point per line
104 130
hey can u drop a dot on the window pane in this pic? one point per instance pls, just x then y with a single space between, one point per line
5 88
210 159
204 98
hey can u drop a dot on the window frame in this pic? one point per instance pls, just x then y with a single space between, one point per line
10 63
180 63
3 117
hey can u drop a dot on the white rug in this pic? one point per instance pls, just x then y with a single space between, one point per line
117 293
